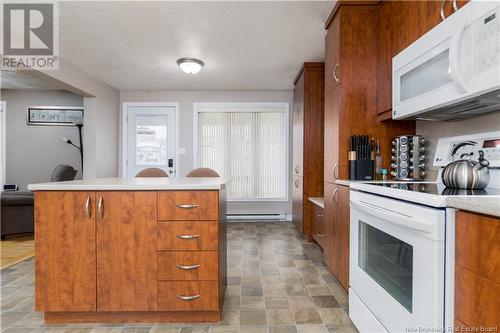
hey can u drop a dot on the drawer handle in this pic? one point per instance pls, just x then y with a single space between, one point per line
321 215
319 235
188 267
187 236
183 206
188 298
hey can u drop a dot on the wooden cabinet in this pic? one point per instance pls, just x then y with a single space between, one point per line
130 255
351 106
318 218
126 251
307 167
351 67
66 278
337 232
400 24
477 270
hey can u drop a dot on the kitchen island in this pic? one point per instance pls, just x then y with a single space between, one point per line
130 250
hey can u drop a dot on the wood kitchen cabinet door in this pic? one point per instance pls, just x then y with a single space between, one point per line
331 135
342 236
298 127
126 251
477 269
298 202
66 278
332 55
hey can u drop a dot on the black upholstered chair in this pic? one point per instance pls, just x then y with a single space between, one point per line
63 172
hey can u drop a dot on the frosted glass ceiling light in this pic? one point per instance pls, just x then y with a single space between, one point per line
190 65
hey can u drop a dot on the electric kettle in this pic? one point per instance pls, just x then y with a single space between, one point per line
466 173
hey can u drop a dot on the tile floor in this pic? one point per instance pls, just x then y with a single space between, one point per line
277 283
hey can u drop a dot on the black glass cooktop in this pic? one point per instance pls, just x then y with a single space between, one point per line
437 189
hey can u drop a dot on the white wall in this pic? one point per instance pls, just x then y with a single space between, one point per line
101 123
186 100
432 131
32 152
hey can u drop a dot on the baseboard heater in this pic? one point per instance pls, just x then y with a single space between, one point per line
252 216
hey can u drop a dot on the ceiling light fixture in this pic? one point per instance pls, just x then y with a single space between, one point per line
190 65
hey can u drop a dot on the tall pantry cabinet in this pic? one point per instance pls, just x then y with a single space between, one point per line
350 109
307 167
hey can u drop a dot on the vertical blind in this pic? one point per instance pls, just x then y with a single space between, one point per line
249 147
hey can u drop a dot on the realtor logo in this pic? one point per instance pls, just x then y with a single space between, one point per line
29 36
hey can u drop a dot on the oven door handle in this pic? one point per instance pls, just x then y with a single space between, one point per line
393 217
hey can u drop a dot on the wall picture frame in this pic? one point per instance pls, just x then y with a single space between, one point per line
54 115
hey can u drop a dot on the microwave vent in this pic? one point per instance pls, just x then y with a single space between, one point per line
466 109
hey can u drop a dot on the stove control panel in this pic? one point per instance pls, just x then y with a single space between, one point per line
468 146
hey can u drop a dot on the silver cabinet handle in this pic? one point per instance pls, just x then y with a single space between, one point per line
335 192
185 206
187 236
87 207
335 166
455 6
319 235
100 207
321 215
443 17
297 169
188 298
335 76
188 267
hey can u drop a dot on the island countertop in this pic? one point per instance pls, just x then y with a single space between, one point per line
134 184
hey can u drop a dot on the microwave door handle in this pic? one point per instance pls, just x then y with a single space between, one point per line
453 59
393 217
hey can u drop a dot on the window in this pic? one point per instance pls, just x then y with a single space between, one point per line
247 142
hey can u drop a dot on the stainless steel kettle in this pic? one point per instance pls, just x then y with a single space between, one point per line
466 173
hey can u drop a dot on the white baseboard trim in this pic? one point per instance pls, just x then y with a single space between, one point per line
257 217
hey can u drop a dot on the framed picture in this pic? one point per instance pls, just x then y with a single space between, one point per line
54 115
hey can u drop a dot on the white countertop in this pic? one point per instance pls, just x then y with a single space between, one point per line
134 184
318 201
482 205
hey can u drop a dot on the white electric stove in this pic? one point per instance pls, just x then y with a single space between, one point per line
402 245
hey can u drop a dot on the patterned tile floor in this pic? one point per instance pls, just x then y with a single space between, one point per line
277 283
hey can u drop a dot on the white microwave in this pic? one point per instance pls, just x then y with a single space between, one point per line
452 72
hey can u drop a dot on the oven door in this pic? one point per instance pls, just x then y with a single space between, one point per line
397 262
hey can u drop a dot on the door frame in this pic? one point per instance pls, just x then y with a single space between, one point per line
124 150
3 139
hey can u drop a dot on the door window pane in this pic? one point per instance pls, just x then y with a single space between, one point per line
388 261
151 140
430 75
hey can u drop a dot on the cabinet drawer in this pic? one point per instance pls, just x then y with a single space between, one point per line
191 265
188 295
319 225
192 235
188 205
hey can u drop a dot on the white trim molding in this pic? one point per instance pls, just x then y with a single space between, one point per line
123 143
3 142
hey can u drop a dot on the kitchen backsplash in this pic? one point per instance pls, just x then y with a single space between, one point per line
432 131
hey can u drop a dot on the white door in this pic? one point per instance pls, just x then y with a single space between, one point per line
3 137
151 138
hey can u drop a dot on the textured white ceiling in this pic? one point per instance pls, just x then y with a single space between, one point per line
245 45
